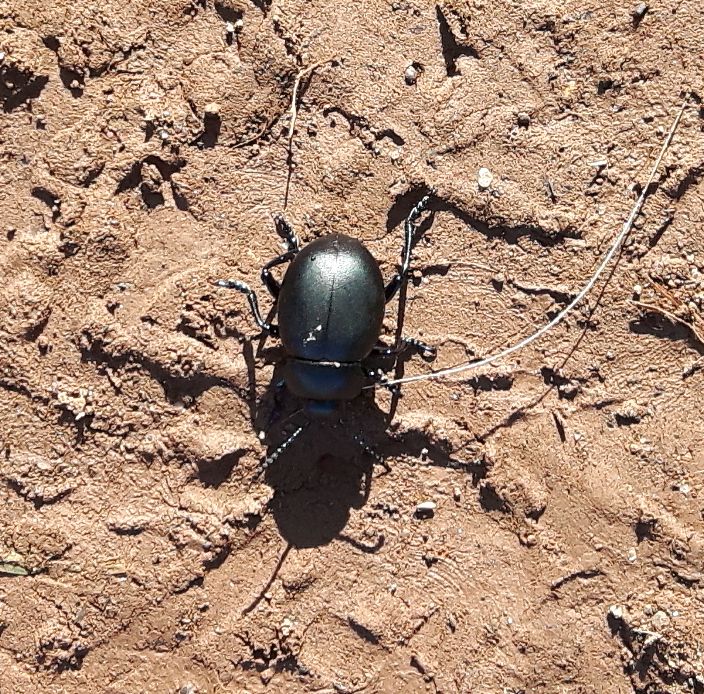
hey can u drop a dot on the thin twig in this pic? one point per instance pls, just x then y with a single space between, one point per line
293 115
628 225
670 316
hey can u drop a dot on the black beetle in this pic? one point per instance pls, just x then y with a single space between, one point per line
330 308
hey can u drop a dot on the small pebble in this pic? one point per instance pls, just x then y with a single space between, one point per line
187 688
212 109
640 10
456 493
229 27
637 290
523 119
426 509
632 554
2 56
411 75
484 178
660 619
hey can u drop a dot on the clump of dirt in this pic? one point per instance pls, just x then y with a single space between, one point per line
539 527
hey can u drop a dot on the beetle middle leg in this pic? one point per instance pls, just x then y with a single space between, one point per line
245 289
425 350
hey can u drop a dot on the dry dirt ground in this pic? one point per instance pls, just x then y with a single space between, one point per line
144 150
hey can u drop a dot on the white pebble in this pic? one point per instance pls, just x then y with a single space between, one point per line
426 507
616 611
484 178
411 75
632 554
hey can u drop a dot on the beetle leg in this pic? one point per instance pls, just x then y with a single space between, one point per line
370 451
285 230
425 350
276 454
409 231
271 283
245 289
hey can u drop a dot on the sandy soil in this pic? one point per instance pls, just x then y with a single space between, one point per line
143 151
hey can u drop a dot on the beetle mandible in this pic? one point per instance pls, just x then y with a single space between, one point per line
330 307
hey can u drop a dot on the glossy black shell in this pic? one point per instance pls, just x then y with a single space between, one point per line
331 303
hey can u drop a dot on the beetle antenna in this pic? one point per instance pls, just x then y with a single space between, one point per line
618 241
276 454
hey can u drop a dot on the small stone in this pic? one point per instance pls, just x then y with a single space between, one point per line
637 290
187 688
531 540
2 56
660 619
267 675
229 27
640 10
426 509
599 163
239 25
411 75
632 555
523 119
456 493
484 178
212 109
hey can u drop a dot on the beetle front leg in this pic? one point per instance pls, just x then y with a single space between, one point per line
271 283
409 231
285 230
245 289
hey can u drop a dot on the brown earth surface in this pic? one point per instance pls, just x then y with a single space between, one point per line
144 149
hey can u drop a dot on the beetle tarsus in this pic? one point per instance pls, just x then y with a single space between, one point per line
426 351
285 230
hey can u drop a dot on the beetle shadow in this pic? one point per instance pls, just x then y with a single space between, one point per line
326 473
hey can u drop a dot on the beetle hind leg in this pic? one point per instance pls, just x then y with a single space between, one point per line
371 452
276 454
